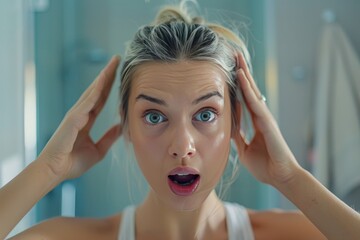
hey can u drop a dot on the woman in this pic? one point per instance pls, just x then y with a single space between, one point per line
180 111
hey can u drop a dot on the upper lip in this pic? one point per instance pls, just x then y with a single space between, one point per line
184 171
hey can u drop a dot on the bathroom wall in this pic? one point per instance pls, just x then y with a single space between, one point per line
297 27
74 39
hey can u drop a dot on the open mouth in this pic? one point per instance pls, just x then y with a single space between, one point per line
183 184
184 179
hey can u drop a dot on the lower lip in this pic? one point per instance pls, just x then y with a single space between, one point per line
184 190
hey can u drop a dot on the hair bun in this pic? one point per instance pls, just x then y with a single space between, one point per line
186 11
170 13
198 20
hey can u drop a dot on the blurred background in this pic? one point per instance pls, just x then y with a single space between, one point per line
305 59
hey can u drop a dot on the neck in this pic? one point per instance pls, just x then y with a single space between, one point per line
158 219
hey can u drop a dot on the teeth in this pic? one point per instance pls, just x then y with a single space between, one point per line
182 174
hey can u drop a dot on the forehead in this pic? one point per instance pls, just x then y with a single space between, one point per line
184 76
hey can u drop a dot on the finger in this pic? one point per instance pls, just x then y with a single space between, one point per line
78 116
87 92
240 143
113 60
81 114
242 64
106 81
104 144
89 100
250 97
262 117
108 76
102 78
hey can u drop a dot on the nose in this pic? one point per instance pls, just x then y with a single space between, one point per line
182 144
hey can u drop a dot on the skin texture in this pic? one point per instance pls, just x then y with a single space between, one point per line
180 140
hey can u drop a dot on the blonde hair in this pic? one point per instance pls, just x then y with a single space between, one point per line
177 35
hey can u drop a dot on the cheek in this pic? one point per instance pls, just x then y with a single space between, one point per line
218 148
149 151
148 160
145 147
215 150
147 143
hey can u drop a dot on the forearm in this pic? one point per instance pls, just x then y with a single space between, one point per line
22 193
329 214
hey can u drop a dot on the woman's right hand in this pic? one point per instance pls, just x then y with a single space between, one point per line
267 156
71 151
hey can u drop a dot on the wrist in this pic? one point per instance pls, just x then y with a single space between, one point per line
293 177
48 171
296 180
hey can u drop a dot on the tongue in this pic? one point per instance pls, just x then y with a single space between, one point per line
183 179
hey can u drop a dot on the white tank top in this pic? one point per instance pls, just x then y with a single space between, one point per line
237 221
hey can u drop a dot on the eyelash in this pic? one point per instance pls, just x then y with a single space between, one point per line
164 119
212 110
148 112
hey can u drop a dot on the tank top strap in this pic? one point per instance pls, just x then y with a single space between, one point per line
127 226
237 219
238 222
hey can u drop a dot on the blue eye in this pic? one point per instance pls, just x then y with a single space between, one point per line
205 116
154 118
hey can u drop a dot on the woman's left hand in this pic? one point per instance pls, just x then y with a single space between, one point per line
267 156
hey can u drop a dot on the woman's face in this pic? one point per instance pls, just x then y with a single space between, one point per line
180 128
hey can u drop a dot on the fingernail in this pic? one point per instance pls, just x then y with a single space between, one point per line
118 57
240 71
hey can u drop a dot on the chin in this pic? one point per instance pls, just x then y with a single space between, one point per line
185 203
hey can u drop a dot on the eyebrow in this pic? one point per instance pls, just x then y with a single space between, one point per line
163 103
207 96
151 99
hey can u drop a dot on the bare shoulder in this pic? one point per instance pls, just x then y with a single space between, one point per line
73 228
279 224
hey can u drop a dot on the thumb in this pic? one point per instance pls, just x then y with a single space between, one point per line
108 139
